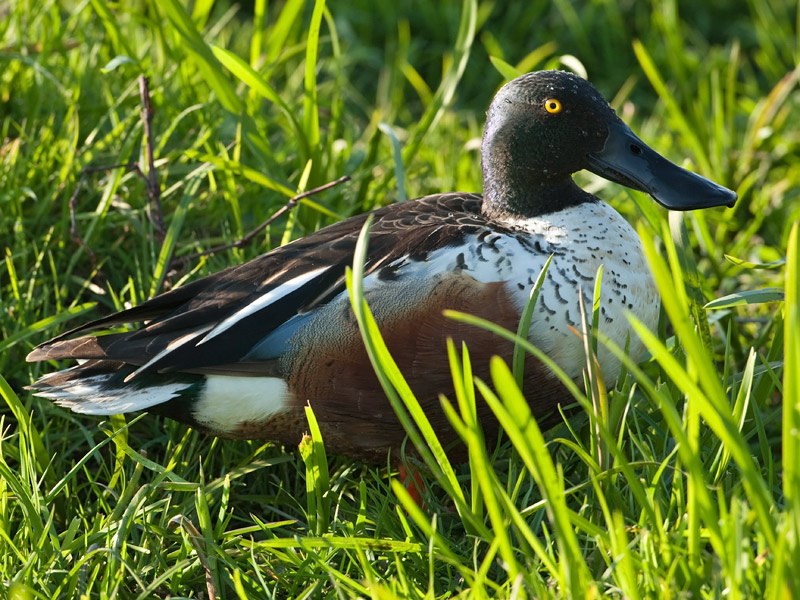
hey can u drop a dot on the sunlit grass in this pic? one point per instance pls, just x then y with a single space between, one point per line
680 480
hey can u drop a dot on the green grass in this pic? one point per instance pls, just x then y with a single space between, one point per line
682 480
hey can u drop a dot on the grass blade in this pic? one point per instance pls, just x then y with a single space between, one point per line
791 400
203 55
310 109
397 158
518 359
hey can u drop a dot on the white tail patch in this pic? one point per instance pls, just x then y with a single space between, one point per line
227 402
94 396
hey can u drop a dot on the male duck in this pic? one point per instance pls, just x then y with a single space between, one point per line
241 352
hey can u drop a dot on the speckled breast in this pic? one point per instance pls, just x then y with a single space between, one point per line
581 239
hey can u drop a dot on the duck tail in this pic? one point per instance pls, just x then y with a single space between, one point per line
99 387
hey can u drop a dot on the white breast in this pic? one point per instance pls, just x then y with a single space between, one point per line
581 238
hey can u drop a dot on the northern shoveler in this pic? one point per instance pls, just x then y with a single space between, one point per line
240 353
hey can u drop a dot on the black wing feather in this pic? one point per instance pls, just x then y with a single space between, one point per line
412 228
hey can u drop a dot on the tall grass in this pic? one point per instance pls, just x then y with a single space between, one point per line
679 480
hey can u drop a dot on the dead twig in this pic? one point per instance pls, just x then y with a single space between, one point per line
154 211
199 543
246 239
151 181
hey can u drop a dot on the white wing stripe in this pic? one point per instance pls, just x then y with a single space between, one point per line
176 343
263 301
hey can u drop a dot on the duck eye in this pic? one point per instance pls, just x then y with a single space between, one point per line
552 106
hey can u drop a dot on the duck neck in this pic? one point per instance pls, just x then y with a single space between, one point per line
525 180
526 194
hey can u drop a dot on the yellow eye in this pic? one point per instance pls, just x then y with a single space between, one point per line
552 106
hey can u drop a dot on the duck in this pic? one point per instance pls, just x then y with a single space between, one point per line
240 353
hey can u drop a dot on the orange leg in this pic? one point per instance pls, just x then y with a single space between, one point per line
412 481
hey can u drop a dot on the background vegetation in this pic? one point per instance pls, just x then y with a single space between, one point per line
681 481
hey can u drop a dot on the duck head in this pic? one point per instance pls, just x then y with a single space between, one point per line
544 126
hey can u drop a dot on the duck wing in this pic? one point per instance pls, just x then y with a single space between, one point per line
212 324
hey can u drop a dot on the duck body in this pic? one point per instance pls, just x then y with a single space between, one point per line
240 353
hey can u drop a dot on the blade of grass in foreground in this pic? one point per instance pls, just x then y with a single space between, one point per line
518 360
691 277
402 399
650 512
700 382
791 402
312 449
481 470
515 415
464 388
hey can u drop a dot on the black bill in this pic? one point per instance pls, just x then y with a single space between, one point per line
627 160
